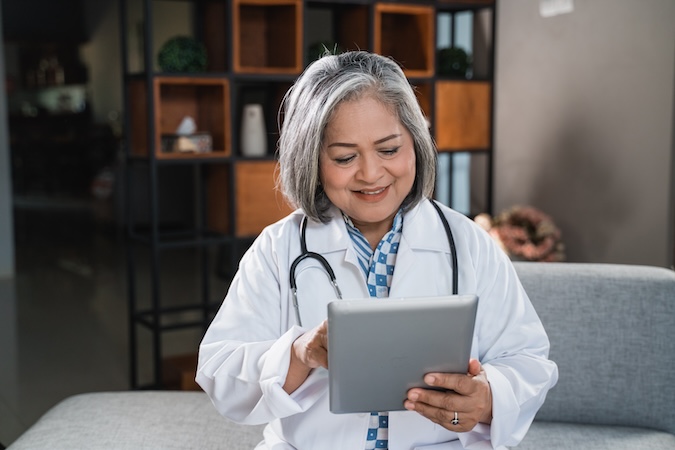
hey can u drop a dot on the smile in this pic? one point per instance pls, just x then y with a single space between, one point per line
379 191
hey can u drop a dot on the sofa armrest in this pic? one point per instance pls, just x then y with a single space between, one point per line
611 329
137 420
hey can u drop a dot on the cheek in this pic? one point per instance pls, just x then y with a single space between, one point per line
409 166
324 172
328 177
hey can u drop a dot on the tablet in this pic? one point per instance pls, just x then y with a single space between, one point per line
380 348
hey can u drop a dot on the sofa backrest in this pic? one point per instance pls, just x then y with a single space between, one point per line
612 333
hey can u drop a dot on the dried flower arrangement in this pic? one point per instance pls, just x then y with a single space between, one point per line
525 233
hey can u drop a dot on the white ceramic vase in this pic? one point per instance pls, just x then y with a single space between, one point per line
253 134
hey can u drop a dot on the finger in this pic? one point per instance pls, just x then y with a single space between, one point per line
443 417
319 345
475 367
320 357
312 347
449 381
438 399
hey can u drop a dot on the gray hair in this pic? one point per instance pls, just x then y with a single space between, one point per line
307 109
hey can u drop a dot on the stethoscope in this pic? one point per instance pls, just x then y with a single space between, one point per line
304 254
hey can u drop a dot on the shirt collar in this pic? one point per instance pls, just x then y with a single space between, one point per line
396 227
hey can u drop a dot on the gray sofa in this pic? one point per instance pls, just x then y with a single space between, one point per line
612 332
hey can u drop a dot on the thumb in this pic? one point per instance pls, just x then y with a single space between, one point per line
474 367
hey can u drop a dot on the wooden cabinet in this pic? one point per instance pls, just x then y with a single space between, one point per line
256 49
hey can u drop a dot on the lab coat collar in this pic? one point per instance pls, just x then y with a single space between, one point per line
324 238
422 230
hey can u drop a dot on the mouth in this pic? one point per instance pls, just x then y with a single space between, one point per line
371 192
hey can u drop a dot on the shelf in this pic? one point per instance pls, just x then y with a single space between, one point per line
217 202
215 34
462 115
424 95
464 4
345 25
205 99
258 203
267 36
187 239
406 33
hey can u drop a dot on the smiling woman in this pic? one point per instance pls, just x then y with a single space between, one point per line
357 160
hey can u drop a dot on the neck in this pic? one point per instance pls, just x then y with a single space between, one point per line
374 232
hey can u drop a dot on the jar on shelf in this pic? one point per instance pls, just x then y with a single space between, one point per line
253 134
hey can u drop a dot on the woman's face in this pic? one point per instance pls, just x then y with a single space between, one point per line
367 163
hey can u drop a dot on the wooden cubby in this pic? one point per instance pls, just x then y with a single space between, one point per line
256 49
269 94
214 35
267 36
257 202
344 25
463 117
424 92
406 33
206 100
218 198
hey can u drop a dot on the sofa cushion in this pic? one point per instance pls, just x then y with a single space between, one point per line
565 436
137 420
611 331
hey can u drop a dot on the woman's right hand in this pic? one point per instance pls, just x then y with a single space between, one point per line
309 351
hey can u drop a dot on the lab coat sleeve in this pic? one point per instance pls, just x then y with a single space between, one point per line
243 367
512 347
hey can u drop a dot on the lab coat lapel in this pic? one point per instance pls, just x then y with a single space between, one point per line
332 237
422 231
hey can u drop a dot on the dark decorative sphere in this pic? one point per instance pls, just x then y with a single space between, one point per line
453 61
182 54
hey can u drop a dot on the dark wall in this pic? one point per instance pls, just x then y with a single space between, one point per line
44 21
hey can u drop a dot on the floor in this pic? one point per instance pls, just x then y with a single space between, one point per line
63 318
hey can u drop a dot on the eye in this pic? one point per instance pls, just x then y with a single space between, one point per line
344 159
390 151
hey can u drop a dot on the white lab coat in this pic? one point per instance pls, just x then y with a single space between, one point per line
244 356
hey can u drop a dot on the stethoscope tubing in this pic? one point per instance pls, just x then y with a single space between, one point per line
331 274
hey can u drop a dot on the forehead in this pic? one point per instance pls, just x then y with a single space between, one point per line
362 112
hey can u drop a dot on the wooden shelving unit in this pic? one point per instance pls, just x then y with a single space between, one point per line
256 49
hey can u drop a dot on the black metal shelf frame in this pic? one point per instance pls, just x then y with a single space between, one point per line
154 238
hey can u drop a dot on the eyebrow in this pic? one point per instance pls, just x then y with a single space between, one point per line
379 141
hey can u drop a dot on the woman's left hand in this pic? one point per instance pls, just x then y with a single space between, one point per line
469 396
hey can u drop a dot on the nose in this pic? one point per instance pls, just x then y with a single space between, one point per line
370 168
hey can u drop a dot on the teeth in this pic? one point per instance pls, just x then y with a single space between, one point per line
372 192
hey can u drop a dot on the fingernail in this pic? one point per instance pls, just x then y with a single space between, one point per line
430 379
409 406
414 396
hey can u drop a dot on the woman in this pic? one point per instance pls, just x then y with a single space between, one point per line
358 161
